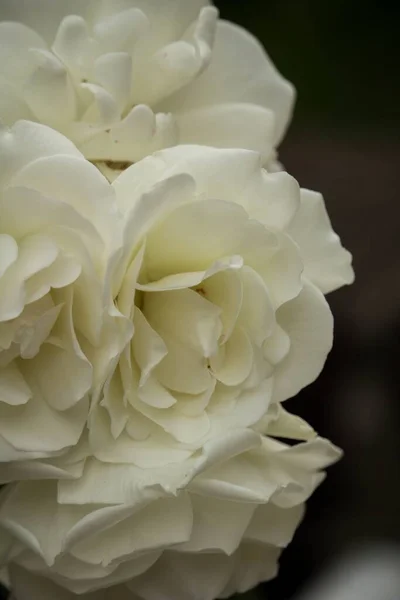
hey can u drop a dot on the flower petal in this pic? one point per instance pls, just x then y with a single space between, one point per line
240 71
308 322
326 263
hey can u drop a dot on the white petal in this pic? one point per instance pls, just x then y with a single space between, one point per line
162 523
277 346
119 31
169 69
13 388
193 237
183 369
308 322
253 563
83 187
240 71
64 271
44 16
180 576
222 174
274 525
27 585
126 293
36 427
271 198
240 479
257 314
312 455
26 142
182 428
238 359
185 280
104 108
151 452
228 126
156 395
49 92
113 402
8 252
148 347
186 316
193 405
74 46
287 426
16 42
218 525
150 208
225 289
326 263
35 253
113 71
22 470
12 104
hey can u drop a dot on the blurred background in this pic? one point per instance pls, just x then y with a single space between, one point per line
345 142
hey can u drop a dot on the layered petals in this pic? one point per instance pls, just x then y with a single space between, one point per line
124 79
55 247
209 534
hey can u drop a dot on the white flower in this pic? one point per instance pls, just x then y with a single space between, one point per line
221 273
124 78
207 529
56 229
185 302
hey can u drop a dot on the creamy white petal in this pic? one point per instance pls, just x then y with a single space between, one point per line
49 92
309 323
229 125
274 525
16 42
186 316
217 525
148 347
253 563
20 145
12 104
248 76
179 576
326 263
171 523
13 388
193 236
37 427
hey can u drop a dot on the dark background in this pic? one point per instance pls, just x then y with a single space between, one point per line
343 57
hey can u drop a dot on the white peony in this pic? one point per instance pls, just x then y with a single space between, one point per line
56 234
123 78
204 530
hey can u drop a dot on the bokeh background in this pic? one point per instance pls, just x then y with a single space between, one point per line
342 56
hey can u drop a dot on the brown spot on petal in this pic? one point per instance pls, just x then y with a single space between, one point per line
117 165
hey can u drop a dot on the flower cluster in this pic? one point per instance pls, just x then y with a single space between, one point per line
162 294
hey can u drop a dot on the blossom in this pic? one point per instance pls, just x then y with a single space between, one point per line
124 79
207 530
187 305
56 232
221 273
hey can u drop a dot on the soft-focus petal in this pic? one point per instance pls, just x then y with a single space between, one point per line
326 263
